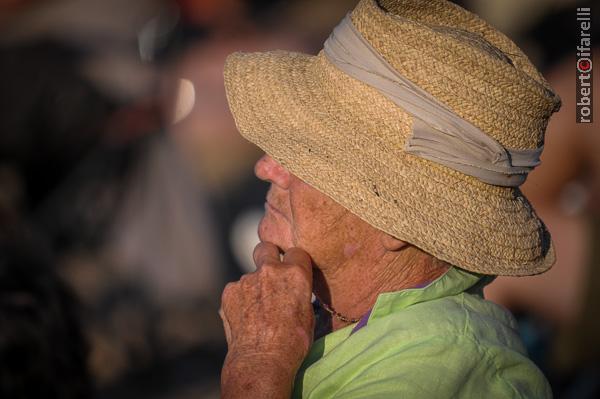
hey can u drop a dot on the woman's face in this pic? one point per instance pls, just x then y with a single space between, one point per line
297 215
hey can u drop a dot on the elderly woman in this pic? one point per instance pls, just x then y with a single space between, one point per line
394 157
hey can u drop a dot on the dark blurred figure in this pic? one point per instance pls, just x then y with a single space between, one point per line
42 350
85 163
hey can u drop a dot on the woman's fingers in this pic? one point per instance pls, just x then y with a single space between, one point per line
265 252
299 257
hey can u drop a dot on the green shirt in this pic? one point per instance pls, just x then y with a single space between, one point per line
440 341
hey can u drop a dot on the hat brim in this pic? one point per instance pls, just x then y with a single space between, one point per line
345 144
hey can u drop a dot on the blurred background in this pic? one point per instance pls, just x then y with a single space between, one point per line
127 198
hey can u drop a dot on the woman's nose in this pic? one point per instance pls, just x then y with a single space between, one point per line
270 170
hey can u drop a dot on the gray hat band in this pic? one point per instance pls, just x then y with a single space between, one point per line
438 134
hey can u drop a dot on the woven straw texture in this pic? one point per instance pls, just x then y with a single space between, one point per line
346 139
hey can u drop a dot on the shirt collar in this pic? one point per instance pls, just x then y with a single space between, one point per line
452 282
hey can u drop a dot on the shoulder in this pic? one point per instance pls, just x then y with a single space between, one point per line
461 346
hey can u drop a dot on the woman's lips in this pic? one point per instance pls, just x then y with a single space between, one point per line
270 207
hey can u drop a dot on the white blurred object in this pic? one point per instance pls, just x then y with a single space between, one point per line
184 100
244 237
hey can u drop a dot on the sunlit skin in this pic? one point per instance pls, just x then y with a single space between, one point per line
297 215
308 243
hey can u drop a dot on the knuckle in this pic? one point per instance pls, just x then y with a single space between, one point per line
296 272
299 254
228 292
247 280
255 253
268 269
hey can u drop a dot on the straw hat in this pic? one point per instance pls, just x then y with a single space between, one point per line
346 139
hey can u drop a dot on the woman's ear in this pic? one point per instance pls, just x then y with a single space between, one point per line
392 243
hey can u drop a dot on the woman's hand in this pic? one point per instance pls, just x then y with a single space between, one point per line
268 321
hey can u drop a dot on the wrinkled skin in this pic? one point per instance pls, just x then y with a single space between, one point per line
308 243
268 322
267 314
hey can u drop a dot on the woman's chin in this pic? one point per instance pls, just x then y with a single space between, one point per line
269 233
